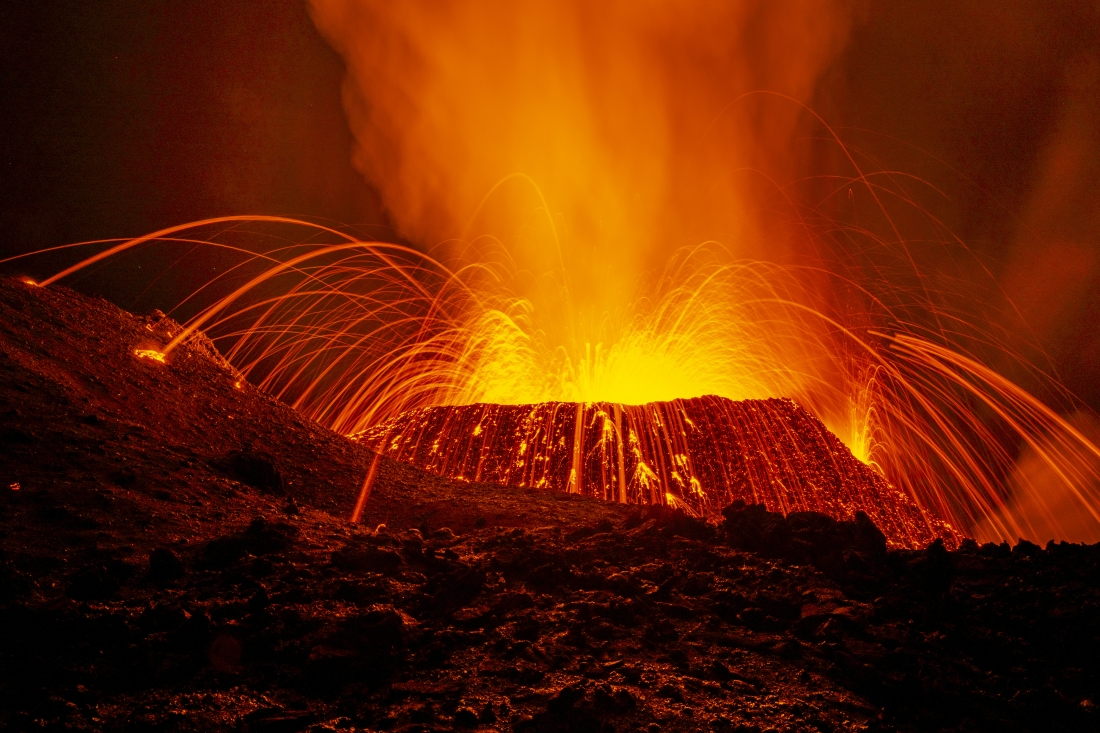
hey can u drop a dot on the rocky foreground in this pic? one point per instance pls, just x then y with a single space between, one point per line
175 555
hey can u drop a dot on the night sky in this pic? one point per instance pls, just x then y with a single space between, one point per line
121 117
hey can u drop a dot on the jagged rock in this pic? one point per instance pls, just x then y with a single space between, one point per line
165 565
93 584
538 611
256 469
260 538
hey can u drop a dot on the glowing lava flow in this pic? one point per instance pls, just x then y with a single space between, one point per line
698 454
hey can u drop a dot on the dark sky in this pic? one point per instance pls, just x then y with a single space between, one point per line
120 117
123 116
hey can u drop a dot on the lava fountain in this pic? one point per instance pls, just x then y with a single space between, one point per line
628 284
724 381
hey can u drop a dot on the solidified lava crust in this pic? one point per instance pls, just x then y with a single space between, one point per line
175 556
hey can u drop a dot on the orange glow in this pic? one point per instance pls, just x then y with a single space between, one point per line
149 354
608 213
586 137
699 455
357 334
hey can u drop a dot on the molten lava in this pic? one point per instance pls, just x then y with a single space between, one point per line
698 454
149 354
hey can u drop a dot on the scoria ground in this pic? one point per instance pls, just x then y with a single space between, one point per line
175 555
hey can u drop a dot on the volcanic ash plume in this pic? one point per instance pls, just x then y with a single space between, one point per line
619 123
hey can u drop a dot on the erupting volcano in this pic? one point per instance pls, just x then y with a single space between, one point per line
639 382
628 259
699 454
713 382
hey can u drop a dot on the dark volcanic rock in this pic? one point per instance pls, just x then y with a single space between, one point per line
366 557
277 720
165 565
474 607
260 538
256 469
801 536
93 584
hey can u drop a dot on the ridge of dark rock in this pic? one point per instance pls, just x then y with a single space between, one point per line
149 583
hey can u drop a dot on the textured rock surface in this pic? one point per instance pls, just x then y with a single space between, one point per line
176 557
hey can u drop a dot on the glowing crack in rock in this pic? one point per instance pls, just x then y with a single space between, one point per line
149 354
697 454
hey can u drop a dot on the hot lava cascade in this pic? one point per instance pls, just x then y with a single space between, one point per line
698 454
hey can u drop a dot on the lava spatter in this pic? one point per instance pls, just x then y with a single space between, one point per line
697 454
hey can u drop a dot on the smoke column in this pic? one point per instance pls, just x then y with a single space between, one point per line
623 118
